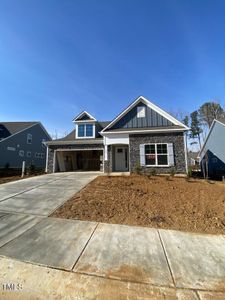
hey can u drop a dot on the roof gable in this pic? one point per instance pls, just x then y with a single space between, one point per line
14 127
218 122
154 117
84 116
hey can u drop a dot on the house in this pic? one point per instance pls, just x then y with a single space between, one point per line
193 158
142 136
22 141
212 154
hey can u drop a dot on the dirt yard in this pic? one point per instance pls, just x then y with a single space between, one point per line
6 179
9 178
179 204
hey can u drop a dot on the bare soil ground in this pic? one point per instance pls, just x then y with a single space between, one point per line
6 179
194 205
9 178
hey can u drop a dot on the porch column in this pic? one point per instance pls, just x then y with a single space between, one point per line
106 152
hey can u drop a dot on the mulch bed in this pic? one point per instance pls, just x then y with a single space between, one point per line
172 203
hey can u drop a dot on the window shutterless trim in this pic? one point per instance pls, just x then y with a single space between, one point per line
85 137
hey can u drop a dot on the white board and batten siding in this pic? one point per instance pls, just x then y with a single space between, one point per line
170 153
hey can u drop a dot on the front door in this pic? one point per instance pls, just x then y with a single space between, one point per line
121 159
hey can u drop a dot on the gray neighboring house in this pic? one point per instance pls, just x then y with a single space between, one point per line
212 154
22 141
193 158
143 135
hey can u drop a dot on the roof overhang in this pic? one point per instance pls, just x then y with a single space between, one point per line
80 142
143 131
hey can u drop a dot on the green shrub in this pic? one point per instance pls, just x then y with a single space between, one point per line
172 172
137 168
6 166
152 172
31 169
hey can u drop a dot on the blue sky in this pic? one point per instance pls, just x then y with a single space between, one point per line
58 58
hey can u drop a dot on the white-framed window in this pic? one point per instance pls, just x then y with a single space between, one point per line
85 130
29 138
21 153
28 153
141 111
157 155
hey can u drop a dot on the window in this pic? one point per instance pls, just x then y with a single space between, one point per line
28 153
85 130
89 130
81 129
42 155
21 153
36 155
156 155
141 111
29 138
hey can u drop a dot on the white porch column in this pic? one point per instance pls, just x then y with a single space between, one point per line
46 165
106 152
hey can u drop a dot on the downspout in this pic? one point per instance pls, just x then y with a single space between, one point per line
185 151
46 165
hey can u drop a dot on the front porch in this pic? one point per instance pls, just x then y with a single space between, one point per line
116 158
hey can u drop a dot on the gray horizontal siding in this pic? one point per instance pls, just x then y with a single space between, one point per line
19 142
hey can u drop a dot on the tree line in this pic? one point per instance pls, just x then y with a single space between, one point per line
200 120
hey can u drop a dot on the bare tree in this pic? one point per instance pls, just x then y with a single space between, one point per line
209 111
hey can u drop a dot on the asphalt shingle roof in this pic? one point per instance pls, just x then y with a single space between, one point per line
14 127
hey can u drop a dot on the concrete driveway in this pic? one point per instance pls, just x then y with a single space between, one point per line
41 195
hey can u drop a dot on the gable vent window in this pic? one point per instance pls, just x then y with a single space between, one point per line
141 111
29 138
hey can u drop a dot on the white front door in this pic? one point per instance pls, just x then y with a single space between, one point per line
121 158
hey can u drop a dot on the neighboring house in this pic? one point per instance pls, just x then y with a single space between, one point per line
142 136
22 141
212 154
193 158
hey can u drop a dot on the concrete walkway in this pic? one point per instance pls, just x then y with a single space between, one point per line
54 258
88 260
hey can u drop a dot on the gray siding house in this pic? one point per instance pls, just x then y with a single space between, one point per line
142 136
22 141
212 154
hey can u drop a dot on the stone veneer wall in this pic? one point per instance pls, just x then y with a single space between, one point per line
176 138
108 163
52 148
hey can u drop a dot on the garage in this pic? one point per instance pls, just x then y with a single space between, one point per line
78 160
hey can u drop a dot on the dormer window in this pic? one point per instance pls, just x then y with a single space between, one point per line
85 125
85 130
81 130
141 111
